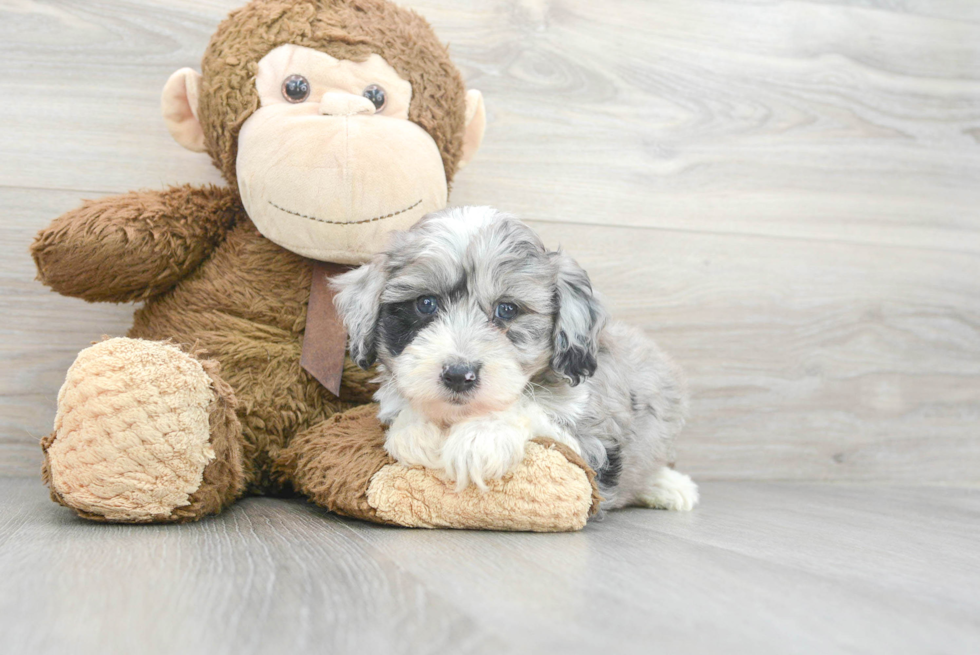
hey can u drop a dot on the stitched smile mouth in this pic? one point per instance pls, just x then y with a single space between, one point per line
366 220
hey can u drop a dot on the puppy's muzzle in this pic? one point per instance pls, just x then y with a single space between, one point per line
460 378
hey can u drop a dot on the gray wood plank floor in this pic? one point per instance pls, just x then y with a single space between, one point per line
759 568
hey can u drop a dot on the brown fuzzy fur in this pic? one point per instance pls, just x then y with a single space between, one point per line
333 462
210 280
217 287
134 246
244 306
224 478
345 29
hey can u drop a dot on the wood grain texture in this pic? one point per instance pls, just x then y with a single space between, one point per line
759 568
787 195
806 359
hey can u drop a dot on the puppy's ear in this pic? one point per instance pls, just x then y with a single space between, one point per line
579 320
358 299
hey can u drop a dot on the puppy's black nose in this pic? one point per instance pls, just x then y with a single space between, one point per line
460 377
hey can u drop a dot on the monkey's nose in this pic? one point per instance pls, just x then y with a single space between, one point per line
460 377
345 104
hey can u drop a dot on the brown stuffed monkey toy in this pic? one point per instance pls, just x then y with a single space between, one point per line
334 122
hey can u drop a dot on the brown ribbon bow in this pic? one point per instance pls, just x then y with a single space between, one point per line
325 340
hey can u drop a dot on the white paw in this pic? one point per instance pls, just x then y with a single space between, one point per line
413 441
484 449
670 489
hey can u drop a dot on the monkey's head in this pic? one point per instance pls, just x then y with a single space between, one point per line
339 120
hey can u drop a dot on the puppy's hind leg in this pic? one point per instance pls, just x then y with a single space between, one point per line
669 489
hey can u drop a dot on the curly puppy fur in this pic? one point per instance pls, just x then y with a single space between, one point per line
486 340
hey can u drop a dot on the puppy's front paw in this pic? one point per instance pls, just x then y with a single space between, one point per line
413 441
483 449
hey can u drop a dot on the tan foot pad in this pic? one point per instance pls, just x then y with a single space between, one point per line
131 438
552 490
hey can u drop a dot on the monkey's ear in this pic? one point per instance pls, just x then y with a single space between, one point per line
476 121
358 301
179 106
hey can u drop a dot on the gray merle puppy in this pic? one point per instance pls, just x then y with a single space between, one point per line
485 340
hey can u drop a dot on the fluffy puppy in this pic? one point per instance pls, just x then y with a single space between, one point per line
485 340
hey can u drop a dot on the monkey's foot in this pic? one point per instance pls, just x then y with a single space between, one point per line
341 464
144 433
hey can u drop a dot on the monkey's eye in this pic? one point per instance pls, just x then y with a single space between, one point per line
377 96
296 88
427 304
505 311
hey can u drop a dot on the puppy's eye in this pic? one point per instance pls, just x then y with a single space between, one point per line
505 311
377 96
296 88
427 304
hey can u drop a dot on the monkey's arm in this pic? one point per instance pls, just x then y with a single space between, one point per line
341 464
134 246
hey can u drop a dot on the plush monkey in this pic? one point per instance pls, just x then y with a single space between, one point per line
334 122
